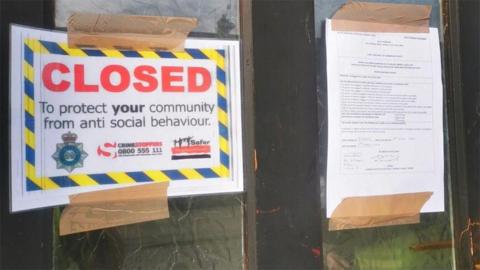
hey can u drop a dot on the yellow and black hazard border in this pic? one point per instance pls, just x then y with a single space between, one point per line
35 46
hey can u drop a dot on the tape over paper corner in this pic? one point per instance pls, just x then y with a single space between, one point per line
128 205
382 210
115 207
110 31
358 16
376 211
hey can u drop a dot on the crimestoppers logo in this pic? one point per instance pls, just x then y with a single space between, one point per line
107 150
190 148
112 150
69 154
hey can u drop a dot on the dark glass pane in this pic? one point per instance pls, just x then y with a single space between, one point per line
383 247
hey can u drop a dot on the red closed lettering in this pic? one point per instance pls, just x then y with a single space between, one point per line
116 78
193 74
168 78
80 85
105 78
47 77
144 74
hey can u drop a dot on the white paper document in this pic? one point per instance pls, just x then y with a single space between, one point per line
385 116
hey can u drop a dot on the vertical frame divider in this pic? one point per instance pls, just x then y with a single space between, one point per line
246 42
456 132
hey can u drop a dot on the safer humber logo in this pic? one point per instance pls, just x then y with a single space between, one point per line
69 154
190 148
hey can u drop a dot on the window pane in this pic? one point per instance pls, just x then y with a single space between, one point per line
426 245
217 17
204 232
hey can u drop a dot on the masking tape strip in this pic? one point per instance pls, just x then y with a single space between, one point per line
128 31
381 17
115 207
382 210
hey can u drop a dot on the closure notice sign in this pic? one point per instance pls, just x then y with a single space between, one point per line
90 119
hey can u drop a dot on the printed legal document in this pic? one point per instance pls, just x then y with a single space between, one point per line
385 121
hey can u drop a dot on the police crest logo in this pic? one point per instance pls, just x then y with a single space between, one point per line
69 154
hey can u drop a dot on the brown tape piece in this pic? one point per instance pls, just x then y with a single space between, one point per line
114 207
111 31
381 17
375 211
